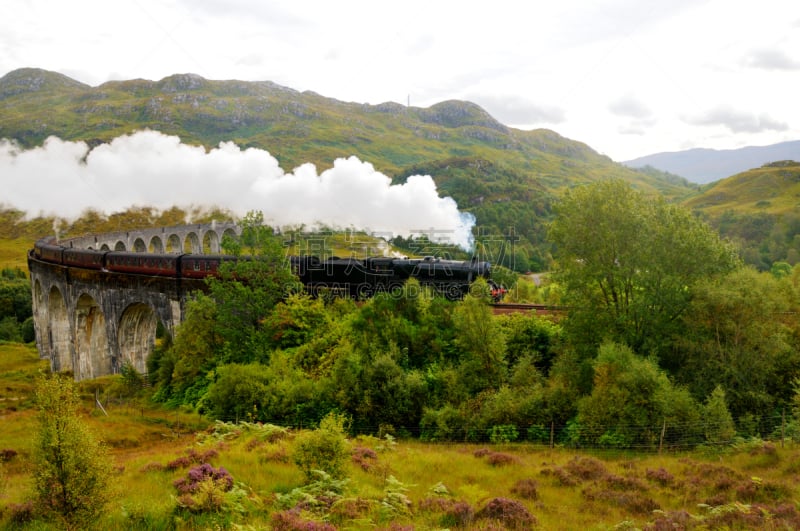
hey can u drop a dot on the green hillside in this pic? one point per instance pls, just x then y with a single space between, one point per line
773 188
295 127
506 177
759 209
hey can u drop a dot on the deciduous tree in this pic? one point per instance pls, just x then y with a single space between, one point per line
632 401
481 341
741 333
71 468
628 261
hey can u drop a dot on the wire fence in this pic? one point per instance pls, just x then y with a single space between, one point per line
664 436
656 435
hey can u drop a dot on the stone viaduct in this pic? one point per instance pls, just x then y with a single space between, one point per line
92 321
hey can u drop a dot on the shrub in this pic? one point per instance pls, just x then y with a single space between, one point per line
277 454
660 476
500 459
323 449
348 509
203 489
201 473
459 514
669 521
7 455
444 424
21 513
632 501
615 482
71 469
252 444
364 457
192 457
634 395
395 501
562 477
511 513
503 433
318 495
720 428
526 489
538 433
586 467
481 452
180 462
435 504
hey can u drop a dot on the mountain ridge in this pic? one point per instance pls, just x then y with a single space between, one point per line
703 165
279 119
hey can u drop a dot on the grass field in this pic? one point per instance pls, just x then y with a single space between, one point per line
397 484
13 253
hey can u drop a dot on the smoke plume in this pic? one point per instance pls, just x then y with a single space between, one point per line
148 168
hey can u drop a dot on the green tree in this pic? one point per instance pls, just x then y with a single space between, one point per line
481 341
741 332
632 401
15 305
627 262
10 330
277 393
530 336
71 468
781 269
296 321
324 449
15 294
248 289
719 427
183 364
229 323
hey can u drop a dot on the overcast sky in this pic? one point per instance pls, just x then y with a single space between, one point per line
627 77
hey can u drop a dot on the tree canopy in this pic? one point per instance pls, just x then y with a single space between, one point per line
627 262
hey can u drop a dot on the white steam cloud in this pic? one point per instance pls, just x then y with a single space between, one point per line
148 168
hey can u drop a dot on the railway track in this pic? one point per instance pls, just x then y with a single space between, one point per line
502 308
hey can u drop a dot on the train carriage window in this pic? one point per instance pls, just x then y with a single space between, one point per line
196 265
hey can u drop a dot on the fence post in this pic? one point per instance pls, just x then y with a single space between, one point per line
783 425
97 401
552 432
661 440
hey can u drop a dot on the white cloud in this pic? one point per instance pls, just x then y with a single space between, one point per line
515 110
630 106
771 60
737 121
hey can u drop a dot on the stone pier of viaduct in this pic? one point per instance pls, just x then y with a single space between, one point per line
93 322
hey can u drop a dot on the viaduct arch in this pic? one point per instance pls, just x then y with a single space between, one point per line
92 321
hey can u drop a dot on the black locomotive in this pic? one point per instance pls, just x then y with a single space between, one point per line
350 277
363 278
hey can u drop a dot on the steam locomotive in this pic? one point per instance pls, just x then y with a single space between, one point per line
351 277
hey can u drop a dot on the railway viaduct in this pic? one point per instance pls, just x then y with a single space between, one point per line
94 322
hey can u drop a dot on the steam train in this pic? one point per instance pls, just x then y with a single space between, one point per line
351 277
